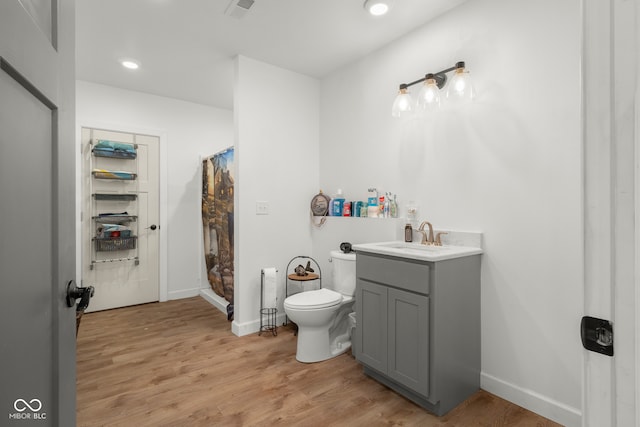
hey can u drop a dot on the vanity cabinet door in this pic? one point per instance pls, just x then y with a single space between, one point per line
408 334
371 321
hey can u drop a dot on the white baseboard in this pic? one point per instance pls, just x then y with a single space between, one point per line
237 328
534 402
253 326
184 293
214 299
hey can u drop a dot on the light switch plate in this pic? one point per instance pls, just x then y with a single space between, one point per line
262 208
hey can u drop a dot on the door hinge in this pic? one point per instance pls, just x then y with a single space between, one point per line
597 335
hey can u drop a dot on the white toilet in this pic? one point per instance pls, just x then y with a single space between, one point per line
322 315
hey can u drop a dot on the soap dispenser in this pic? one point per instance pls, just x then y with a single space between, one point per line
408 233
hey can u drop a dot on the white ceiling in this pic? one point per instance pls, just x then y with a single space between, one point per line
186 47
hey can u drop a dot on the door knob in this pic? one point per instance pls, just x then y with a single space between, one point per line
153 226
74 293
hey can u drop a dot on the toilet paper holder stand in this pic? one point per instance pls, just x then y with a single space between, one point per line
268 315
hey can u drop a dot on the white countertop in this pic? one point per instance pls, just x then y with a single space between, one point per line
417 251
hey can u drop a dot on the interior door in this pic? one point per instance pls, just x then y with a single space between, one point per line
128 276
611 80
37 222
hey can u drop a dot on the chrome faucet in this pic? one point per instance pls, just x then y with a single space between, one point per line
426 240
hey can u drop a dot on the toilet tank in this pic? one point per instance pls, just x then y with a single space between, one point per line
343 275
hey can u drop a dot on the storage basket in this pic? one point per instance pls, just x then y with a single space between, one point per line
116 244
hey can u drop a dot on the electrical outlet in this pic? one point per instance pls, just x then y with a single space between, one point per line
262 208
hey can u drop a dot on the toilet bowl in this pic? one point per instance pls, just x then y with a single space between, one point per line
322 315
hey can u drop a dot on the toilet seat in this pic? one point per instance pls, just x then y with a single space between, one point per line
313 300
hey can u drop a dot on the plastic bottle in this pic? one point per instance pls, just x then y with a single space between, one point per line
337 203
394 207
346 208
386 206
408 233
373 208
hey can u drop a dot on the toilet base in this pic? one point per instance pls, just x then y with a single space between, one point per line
314 345
318 343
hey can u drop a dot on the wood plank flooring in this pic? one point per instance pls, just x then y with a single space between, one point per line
178 364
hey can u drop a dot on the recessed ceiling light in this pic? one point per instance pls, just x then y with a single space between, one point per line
376 7
130 64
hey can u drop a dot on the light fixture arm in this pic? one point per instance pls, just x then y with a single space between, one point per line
440 77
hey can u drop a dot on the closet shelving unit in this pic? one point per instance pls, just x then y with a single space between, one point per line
112 191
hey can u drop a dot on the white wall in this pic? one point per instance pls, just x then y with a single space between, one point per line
508 165
188 132
276 117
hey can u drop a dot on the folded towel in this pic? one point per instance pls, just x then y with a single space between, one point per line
114 145
100 152
114 214
105 174
106 230
105 148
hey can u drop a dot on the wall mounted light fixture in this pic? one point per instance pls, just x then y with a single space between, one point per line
459 88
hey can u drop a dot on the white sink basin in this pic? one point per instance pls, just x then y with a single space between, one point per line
417 250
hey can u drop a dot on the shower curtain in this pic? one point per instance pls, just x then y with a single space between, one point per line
217 220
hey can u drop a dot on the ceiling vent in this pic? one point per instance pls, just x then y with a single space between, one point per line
238 8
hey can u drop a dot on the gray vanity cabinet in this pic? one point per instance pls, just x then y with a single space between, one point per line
371 337
408 340
418 327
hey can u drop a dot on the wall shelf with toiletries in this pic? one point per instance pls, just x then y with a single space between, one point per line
375 206
113 186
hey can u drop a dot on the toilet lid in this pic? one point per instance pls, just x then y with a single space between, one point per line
309 300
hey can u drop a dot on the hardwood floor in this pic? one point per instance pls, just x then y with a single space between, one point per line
178 364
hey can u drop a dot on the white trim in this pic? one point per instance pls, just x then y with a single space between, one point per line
161 134
184 293
253 326
214 299
637 221
246 328
529 399
238 329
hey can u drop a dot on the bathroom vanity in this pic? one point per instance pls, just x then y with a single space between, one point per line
418 320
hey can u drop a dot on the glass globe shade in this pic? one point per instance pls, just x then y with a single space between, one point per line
429 95
402 105
460 87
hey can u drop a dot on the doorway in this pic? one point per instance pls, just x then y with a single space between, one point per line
120 218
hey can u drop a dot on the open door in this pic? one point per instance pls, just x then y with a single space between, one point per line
37 213
611 182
